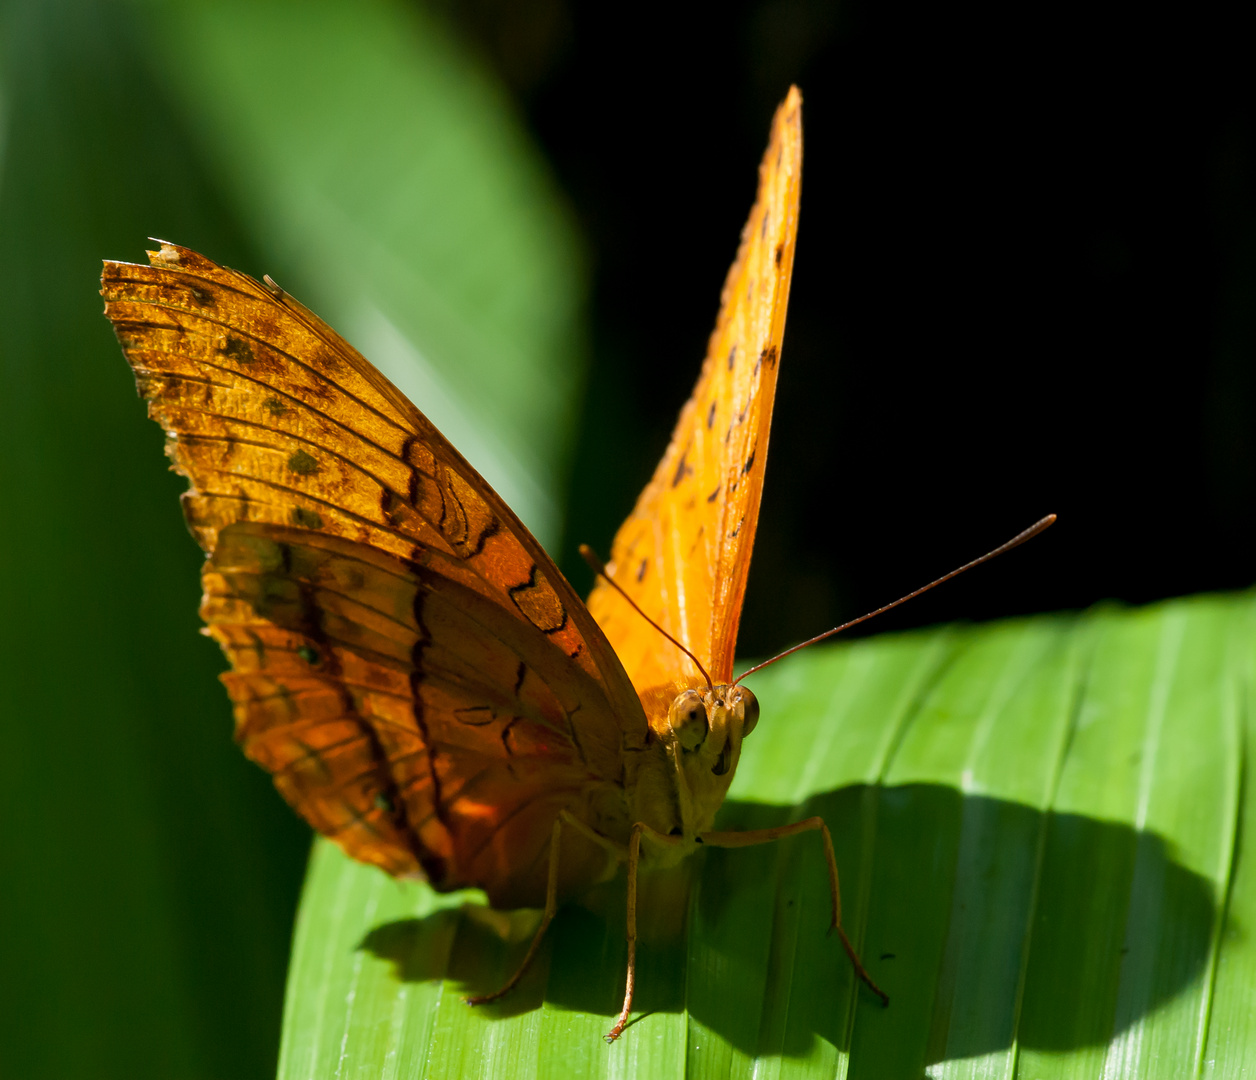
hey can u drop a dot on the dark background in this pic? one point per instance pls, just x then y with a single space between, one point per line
1025 283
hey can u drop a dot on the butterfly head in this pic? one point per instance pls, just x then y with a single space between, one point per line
705 729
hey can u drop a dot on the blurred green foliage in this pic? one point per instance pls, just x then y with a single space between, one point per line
358 154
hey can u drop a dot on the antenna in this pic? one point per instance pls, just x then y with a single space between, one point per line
597 566
1016 541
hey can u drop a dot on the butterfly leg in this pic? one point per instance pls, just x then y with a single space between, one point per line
813 824
634 858
551 906
614 847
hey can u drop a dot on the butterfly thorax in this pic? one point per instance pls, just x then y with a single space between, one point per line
680 787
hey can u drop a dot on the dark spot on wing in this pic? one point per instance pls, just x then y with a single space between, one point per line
642 569
390 505
276 407
307 519
302 464
732 357
711 415
780 252
238 350
310 655
763 229
749 462
520 675
681 469
769 356
715 494
202 296
733 535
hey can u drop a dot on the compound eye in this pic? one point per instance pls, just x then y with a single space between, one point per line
749 712
688 719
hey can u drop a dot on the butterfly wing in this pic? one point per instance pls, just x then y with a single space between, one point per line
683 554
420 678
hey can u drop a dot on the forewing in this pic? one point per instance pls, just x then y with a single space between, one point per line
683 554
406 659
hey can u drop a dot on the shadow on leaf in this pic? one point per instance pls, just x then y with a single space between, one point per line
985 920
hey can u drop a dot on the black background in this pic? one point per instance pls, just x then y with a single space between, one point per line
1025 283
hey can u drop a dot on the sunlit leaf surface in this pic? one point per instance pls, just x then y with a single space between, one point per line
1036 823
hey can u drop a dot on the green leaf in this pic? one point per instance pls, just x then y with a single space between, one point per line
1042 838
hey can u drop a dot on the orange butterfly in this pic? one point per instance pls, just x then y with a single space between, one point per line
423 683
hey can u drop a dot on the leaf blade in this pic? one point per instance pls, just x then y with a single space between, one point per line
1007 766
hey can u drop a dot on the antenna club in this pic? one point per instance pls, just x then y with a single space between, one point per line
590 557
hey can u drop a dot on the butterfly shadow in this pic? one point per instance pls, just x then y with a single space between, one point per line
581 965
986 921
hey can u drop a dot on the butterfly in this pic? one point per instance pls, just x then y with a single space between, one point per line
422 682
